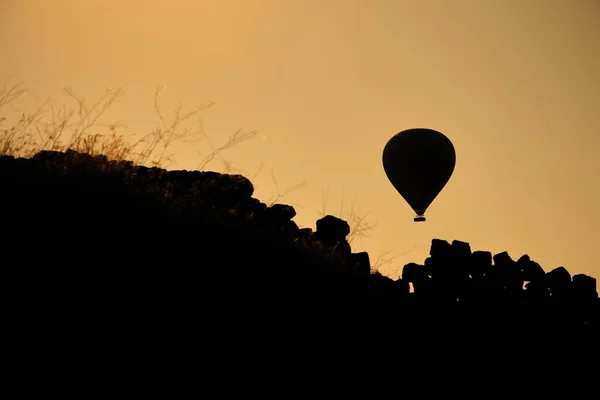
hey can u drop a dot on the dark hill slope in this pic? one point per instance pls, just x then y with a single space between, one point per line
101 247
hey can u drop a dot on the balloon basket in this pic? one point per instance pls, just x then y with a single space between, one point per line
420 218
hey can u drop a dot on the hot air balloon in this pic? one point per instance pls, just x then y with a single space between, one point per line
419 163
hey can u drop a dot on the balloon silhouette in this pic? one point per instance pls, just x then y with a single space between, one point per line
419 163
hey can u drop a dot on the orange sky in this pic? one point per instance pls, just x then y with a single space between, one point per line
514 84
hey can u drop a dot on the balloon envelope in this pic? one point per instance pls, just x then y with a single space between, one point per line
419 163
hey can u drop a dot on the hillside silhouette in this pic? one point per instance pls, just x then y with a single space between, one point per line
104 247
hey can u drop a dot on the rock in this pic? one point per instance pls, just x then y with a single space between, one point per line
340 252
430 266
361 262
440 249
317 247
224 188
304 238
413 272
237 186
402 287
509 272
332 229
460 250
558 281
459 263
480 262
584 286
290 230
482 258
502 259
253 210
378 285
530 270
305 235
280 213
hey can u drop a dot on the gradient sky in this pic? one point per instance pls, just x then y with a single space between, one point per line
515 85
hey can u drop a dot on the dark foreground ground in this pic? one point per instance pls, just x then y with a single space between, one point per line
114 264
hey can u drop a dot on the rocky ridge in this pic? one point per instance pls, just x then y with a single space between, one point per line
204 237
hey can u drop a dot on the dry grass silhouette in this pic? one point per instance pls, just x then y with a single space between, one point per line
360 227
79 126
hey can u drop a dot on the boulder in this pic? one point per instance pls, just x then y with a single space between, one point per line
558 281
402 287
460 250
502 259
413 272
440 249
361 262
480 262
331 229
584 286
530 270
280 213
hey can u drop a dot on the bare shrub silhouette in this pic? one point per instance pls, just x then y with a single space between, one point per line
76 128
80 128
360 227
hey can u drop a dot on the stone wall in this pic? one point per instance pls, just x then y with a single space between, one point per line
113 241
